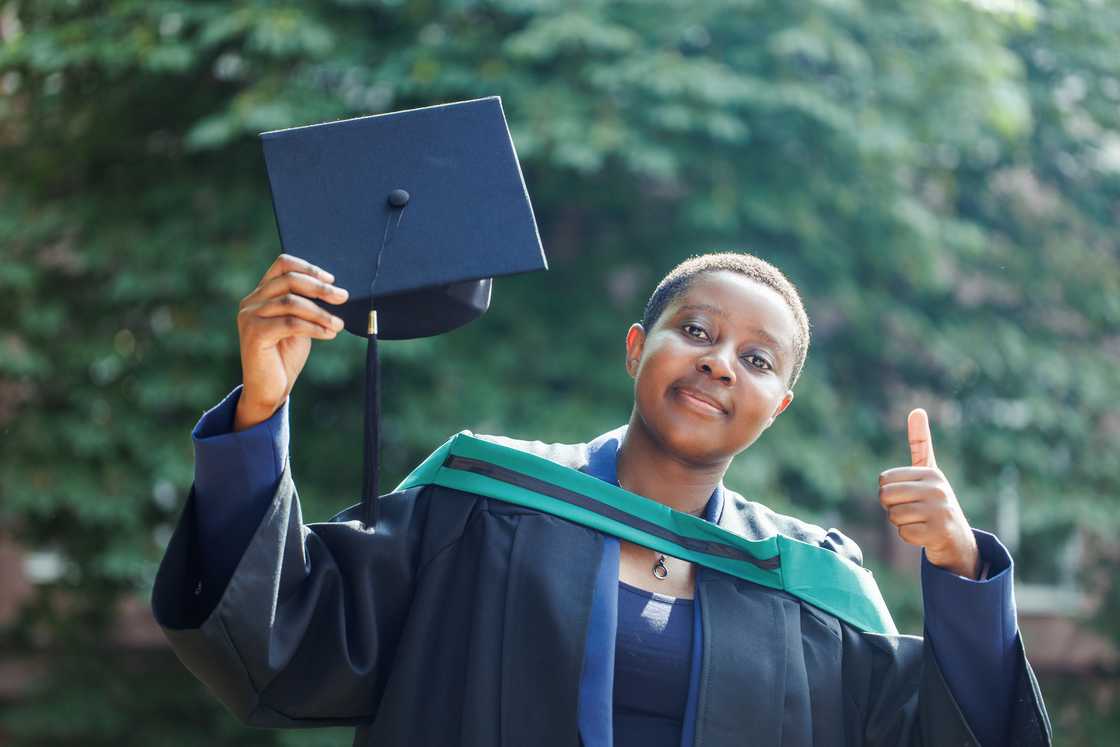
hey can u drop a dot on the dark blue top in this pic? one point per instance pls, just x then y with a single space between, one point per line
971 625
653 651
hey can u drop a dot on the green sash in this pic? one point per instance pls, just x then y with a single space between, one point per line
814 574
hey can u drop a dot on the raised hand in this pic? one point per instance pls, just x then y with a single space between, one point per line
921 503
276 323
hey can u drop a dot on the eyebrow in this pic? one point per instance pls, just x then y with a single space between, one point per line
719 312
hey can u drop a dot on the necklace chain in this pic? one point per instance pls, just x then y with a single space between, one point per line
659 570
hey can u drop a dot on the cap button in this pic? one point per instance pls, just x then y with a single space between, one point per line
398 198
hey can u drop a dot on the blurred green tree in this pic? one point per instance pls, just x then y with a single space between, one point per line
941 179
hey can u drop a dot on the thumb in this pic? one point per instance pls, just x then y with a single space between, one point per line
921 440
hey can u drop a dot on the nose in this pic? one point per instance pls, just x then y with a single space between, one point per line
715 363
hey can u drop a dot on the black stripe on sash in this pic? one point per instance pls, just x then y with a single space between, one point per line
512 477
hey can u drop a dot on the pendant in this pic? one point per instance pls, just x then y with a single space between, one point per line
660 572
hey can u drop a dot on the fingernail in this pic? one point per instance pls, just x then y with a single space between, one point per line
336 322
342 292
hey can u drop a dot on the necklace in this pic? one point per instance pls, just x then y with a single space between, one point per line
660 570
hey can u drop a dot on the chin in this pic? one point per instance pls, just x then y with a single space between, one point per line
694 442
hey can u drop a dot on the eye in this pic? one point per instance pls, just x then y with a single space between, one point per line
693 330
758 362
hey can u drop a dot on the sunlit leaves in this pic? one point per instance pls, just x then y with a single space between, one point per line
939 178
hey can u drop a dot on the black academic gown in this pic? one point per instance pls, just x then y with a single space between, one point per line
463 621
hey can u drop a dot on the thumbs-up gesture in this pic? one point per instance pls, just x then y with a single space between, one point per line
921 503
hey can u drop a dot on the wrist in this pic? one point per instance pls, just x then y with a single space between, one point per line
964 561
249 413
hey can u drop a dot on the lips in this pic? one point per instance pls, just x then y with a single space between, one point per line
701 399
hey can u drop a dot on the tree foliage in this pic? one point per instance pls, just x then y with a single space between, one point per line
941 180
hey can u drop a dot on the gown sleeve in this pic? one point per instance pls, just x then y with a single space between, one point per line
896 694
973 630
305 630
235 477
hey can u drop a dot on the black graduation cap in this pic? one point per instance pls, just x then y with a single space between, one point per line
414 213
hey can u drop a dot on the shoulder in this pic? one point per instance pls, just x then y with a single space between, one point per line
755 521
569 455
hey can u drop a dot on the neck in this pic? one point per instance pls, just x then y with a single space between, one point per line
647 468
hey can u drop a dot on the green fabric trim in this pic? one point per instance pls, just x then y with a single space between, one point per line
814 574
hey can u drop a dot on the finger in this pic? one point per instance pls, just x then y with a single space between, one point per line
301 284
269 332
908 513
298 306
915 534
905 492
907 474
288 263
921 440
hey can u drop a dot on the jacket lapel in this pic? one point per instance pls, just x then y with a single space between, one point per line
753 686
742 667
553 568
596 685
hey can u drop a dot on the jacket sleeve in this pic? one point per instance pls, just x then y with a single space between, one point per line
305 631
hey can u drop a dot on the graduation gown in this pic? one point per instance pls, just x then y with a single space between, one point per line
464 620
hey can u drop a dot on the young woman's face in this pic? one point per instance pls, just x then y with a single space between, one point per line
711 375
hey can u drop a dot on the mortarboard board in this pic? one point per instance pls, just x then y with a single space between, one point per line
414 213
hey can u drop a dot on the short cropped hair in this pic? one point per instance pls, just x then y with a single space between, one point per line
680 278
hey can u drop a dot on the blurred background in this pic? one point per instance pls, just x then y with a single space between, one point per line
940 178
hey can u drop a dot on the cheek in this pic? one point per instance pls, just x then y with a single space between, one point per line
646 392
757 398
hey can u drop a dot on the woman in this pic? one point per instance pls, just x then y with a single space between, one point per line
465 620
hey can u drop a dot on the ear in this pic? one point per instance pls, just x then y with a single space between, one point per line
635 341
787 398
